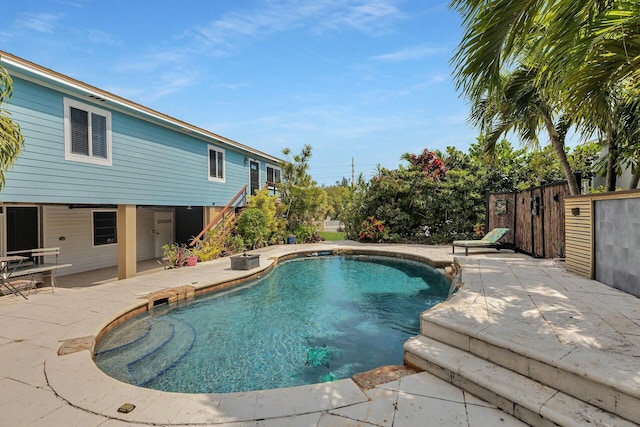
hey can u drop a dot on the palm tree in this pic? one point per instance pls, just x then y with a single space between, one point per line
586 45
583 51
11 139
518 105
622 131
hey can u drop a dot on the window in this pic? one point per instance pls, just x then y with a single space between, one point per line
216 164
273 175
87 133
104 228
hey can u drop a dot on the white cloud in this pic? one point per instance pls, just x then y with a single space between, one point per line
94 36
409 54
41 22
154 85
151 62
232 86
224 34
371 17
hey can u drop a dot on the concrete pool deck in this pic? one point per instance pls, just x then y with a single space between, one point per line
38 387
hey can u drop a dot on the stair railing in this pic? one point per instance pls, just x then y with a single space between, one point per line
220 215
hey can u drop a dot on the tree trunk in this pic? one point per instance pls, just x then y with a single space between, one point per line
558 146
612 161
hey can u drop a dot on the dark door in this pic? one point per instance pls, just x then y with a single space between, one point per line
254 177
22 228
188 223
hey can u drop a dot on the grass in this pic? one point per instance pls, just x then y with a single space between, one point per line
331 235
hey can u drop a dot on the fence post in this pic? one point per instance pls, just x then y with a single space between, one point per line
486 209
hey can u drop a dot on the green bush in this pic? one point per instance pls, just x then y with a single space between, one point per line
253 227
305 233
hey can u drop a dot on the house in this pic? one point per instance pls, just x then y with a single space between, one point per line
110 181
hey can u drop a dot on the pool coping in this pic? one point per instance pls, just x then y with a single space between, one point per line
76 379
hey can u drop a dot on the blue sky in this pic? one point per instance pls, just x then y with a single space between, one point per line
362 79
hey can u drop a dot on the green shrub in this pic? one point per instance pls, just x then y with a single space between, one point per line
253 227
305 233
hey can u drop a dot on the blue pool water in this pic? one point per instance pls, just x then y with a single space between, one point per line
310 320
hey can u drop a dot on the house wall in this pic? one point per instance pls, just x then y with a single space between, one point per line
157 163
617 244
152 165
579 235
75 226
603 238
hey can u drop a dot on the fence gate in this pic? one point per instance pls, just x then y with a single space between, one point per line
535 217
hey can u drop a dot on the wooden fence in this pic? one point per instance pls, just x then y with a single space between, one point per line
535 217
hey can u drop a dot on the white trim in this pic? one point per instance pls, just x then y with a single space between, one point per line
224 163
68 155
93 228
275 168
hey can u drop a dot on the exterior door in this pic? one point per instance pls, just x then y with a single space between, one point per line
163 230
254 177
22 228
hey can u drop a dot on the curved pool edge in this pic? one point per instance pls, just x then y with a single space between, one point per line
76 379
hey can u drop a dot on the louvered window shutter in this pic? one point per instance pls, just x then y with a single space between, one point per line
220 164
212 164
79 132
98 136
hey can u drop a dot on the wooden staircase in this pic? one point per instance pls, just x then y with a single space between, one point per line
227 217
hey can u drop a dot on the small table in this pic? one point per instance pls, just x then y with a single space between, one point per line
8 266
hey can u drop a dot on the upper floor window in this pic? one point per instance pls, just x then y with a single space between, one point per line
216 164
87 133
273 175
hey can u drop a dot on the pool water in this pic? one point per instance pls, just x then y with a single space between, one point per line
309 320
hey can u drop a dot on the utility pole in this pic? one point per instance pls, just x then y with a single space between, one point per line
353 171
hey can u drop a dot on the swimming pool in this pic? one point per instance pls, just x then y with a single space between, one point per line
307 321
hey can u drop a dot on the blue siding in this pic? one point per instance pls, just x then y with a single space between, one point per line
152 165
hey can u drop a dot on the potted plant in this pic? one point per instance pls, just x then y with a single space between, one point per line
176 255
191 258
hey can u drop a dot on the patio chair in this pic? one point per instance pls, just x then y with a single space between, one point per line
490 240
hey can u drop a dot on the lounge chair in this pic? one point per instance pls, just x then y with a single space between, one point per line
490 240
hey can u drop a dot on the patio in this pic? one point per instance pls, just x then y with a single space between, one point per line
38 387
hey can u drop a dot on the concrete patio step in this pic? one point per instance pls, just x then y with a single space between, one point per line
603 380
528 400
596 380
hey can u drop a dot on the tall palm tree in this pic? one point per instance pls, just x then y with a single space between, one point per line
11 139
583 51
586 45
518 105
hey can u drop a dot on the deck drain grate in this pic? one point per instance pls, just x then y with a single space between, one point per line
126 408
